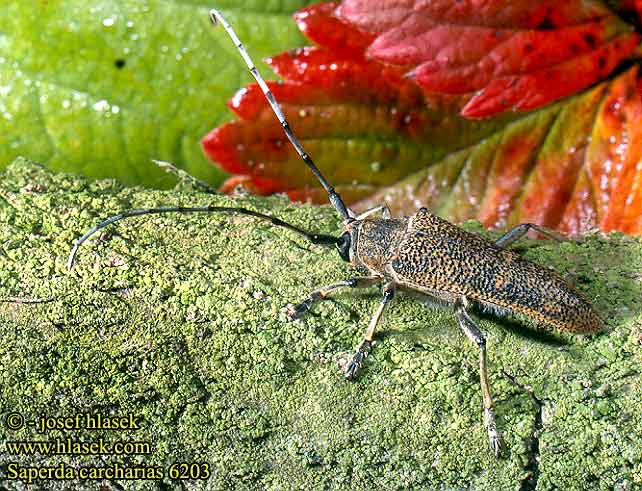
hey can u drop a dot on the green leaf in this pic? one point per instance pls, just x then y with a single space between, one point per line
100 88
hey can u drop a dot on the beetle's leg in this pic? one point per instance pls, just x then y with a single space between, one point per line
519 231
383 209
352 367
295 311
472 332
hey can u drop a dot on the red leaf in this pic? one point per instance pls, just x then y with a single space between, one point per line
377 16
538 88
575 166
391 132
320 26
467 70
522 56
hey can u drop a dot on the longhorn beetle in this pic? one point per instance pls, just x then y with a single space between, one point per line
423 254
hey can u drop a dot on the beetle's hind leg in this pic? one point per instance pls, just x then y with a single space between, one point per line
295 311
352 367
516 233
472 332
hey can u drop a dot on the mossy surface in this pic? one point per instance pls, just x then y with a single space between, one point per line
179 320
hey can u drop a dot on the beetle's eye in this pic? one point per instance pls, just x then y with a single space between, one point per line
343 246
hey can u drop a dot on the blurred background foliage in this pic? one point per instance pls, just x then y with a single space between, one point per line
101 87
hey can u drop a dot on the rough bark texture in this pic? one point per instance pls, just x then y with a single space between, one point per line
178 320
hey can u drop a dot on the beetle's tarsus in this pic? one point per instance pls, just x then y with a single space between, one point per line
495 438
294 312
352 367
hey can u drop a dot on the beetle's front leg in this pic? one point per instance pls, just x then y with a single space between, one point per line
383 209
351 368
517 232
472 332
295 311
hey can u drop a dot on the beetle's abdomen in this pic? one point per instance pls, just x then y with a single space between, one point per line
527 288
436 256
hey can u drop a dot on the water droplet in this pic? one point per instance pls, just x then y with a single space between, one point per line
164 48
109 21
333 66
130 23
66 104
376 166
101 105
115 109
303 113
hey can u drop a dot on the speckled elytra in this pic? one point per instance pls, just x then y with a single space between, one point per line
423 254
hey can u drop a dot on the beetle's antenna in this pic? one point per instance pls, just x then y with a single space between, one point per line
314 238
335 199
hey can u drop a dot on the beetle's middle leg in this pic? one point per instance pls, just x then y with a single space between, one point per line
351 368
295 311
472 332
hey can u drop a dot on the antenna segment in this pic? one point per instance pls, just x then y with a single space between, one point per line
314 238
335 199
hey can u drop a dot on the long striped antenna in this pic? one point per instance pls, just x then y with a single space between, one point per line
335 199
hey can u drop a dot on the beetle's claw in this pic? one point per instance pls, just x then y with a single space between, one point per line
294 312
497 445
494 436
351 368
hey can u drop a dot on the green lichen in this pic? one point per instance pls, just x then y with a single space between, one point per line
178 319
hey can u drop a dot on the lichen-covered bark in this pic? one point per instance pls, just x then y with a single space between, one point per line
178 320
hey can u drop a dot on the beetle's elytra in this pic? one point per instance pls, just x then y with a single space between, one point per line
426 255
